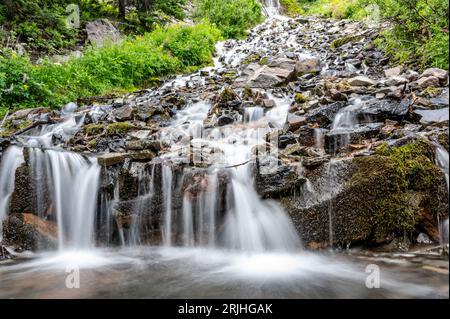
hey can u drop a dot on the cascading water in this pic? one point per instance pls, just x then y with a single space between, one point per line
66 187
442 162
64 184
271 7
244 222
10 161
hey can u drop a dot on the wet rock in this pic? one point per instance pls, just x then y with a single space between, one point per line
361 81
440 74
278 180
4 253
429 81
101 31
273 74
29 232
325 114
379 111
391 72
307 66
294 122
110 159
144 155
139 145
313 162
334 140
225 120
439 116
286 139
423 239
124 113
354 190
267 103
395 80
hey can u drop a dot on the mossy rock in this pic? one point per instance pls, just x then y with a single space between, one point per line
10 127
300 98
344 40
397 186
118 128
93 129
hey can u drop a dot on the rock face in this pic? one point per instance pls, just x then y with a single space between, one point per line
29 232
360 196
100 32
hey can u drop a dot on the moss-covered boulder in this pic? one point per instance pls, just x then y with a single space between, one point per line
397 192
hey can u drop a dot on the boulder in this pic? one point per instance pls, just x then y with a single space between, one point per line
439 116
324 115
336 139
429 81
273 74
441 75
308 65
100 32
294 122
368 199
392 72
361 80
29 232
110 159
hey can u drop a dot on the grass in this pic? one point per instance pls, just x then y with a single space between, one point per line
116 67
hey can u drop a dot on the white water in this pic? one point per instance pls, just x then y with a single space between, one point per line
442 161
271 7
71 181
10 161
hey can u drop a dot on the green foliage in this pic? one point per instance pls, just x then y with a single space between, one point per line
42 26
126 65
420 28
232 17
291 7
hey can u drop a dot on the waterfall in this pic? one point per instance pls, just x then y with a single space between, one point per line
215 213
66 187
271 7
442 162
10 161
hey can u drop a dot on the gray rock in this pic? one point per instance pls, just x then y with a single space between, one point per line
396 71
442 75
124 113
429 81
423 239
336 139
110 159
433 116
100 32
307 66
361 80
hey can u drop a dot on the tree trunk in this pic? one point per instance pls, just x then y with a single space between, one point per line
122 8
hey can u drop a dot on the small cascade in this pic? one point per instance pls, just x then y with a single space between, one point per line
252 114
66 186
319 138
10 161
271 7
442 162
167 178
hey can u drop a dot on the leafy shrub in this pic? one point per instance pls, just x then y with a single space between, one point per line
232 17
420 28
117 66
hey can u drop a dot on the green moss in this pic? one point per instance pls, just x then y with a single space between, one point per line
253 58
263 61
92 144
93 129
300 98
344 40
396 185
227 95
118 128
432 91
10 128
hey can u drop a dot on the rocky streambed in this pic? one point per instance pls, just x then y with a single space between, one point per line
302 135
